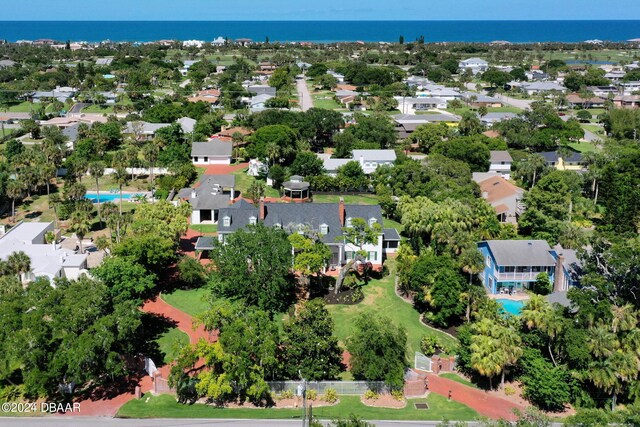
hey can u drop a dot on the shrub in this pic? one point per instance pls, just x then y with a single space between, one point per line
398 394
287 394
509 391
429 345
312 394
11 393
330 395
371 395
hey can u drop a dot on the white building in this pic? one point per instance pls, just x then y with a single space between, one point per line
214 152
476 65
369 160
47 259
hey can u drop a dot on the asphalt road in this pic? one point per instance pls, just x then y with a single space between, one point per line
77 107
303 94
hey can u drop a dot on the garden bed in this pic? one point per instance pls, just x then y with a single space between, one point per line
384 401
288 403
346 297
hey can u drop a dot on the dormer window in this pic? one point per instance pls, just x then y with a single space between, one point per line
372 221
253 220
226 221
348 222
324 229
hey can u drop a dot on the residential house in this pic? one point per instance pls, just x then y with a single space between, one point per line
572 268
193 43
261 90
47 259
339 77
212 193
266 66
603 91
513 265
503 196
492 118
187 123
185 69
369 160
500 162
214 152
627 101
104 61
575 100
476 65
219 41
210 96
439 91
535 88
554 160
475 100
143 131
258 102
406 124
630 87
327 219
423 103
59 93
615 75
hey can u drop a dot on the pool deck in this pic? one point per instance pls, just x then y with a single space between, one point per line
521 296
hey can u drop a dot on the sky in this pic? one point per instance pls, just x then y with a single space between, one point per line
248 10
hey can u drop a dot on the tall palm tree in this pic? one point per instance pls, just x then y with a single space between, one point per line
80 224
122 178
96 170
110 212
273 152
54 202
19 263
15 190
624 318
150 152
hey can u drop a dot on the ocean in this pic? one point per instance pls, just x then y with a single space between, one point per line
323 31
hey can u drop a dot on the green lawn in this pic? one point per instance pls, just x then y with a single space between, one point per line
191 301
325 100
205 228
170 343
583 147
165 406
23 107
381 298
457 378
389 223
99 109
243 182
355 199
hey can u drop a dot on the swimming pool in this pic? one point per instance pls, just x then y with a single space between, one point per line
109 197
511 306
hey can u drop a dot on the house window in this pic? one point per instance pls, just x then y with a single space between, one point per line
372 256
226 221
349 255
509 269
253 220
372 221
195 159
488 261
324 229
206 159
348 222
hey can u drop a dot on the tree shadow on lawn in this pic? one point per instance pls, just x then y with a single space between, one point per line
153 326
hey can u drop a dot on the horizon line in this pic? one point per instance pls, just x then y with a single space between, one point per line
323 20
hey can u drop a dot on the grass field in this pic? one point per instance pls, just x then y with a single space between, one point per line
205 228
380 298
170 343
165 406
243 182
99 109
457 378
191 301
354 199
23 107
583 147
325 100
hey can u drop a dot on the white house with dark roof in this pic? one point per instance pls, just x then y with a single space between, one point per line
47 259
326 219
213 152
500 162
212 193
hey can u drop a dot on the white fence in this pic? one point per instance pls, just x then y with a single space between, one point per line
422 362
341 387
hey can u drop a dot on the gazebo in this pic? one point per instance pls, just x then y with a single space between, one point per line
296 188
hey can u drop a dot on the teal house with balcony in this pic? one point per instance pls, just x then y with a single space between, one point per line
513 265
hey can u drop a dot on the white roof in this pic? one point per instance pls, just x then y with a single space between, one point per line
334 164
187 124
375 155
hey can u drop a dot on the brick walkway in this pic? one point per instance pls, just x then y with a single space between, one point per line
481 401
183 320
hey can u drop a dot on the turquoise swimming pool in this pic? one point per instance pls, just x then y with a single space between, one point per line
511 306
108 197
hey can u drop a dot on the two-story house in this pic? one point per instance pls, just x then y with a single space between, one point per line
369 160
476 65
515 265
212 193
328 220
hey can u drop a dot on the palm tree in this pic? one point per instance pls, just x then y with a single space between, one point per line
54 202
96 170
122 178
624 318
150 152
15 190
110 212
530 166
273 152
81 225
19 263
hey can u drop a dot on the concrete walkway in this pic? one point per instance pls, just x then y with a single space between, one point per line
481 401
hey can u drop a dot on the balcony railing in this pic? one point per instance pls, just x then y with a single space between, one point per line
517 277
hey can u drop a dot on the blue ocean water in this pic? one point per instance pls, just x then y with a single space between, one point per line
323 31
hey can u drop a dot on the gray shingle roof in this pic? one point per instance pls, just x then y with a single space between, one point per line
205 243
521 252
225 181
217 148
500 156
391 234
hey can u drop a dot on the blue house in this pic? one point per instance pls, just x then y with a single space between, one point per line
515 264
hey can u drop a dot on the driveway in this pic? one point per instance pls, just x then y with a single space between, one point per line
523 104
303 94
77 107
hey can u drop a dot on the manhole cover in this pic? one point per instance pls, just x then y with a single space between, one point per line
421 406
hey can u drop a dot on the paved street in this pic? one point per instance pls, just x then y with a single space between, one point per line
303 95
518 103
77 107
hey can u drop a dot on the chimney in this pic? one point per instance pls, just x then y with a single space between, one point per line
261 209
341 211
193 193
361 160
558 278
